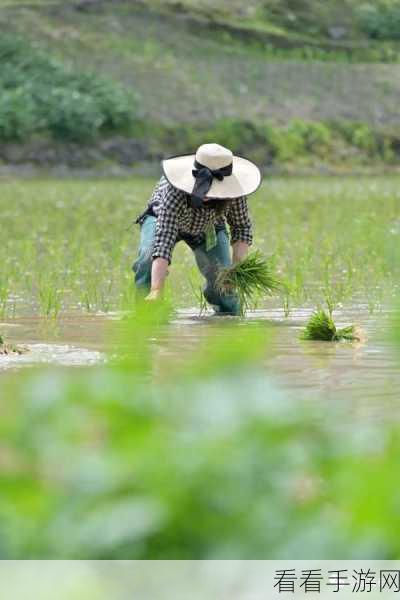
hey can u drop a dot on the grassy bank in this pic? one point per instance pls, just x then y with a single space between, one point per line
343 24
298 146
298 143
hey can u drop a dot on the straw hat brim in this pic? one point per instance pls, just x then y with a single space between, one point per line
245 178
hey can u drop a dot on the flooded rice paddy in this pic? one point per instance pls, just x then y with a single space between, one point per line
359 371
66 281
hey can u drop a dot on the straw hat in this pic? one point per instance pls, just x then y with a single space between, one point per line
213 172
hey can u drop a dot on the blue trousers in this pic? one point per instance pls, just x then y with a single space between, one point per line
209 262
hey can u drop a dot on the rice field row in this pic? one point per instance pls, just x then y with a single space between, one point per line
68 245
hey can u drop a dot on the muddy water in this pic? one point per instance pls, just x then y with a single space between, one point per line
73 341
368 370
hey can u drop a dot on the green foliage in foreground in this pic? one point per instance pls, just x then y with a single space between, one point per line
252 277
321 327
40 95
150 459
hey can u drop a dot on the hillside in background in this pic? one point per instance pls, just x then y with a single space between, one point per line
290 23
190 64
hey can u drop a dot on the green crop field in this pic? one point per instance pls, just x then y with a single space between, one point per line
69 246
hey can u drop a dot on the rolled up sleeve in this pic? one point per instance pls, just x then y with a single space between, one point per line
239 221
167 226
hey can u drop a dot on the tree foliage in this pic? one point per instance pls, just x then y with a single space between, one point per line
40 94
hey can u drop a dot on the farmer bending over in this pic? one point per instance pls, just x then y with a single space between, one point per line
193 201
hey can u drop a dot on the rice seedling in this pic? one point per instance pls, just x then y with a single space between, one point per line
197 291
3 299
49 299
202 302
292 291
321 327
251 277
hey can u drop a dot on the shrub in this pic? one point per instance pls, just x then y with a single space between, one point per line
365 139
380 20
235 134
113 102
17 114
285 144
38 93
265 143
72 114
315 135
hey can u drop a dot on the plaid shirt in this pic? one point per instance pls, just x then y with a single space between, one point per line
177 219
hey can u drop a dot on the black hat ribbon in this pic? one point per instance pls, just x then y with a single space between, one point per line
204 177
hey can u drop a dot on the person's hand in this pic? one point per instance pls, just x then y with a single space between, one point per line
153 295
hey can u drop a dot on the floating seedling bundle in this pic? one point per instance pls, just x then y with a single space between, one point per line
6 349
321 327
250 278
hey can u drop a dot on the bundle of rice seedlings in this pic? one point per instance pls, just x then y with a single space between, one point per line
249 278
321 327
6 349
